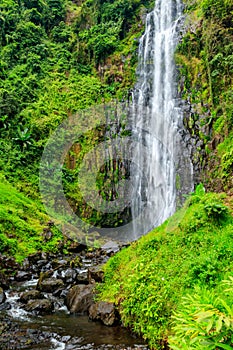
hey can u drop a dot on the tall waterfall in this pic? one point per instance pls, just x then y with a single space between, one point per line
161 165
140 167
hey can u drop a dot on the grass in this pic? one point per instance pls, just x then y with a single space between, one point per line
22 224
148 279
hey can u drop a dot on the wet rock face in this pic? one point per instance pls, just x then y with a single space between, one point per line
104 312
30 295
23 276
40 307
95 274
80 298
5 306
50 285
2 296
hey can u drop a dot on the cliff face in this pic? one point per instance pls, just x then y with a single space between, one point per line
58 57
205 62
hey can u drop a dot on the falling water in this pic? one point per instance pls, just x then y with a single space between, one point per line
160 160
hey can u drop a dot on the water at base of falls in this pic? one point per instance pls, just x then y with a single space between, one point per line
161 158
60 330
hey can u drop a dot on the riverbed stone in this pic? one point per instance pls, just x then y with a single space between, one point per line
2 296
49 285
110 248
80 298
40 307
69 276
95 274
30 295
23 276
104 312
76 247
5 306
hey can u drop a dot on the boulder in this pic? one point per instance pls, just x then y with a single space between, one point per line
33 258
2 296
23 276
49 285
76 247
80 298
69 276
4 281
30 295
104 312
82 277
95 274
110 248
5 306
40 307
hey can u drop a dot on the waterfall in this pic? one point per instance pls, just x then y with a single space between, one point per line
160 159
135 175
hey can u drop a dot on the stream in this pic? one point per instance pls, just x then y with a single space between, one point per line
59 329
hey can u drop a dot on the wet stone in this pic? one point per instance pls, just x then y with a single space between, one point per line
110 248
95 274
50 285
79 298
41 307
5 306
69 276
30 295
23 276
82 277
104 312
2 296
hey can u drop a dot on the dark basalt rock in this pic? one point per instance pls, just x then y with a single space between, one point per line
2 296
49 285
23 276
104 312
80 298
40 307
95 274
69 276
82 278
110 248
76 247
4 282
30 295
5 306
33 258
59 263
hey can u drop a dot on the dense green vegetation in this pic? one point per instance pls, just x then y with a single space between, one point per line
58 57
24 226
206 64
188 256
173 286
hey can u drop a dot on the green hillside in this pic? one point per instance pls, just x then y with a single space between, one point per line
24 225
61 57
188 256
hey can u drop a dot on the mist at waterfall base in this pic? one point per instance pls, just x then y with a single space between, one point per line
156 110
143 144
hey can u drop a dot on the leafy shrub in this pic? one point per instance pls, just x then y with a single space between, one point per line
216 210
148 279
205 320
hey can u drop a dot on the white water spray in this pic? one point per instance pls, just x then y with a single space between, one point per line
157 121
